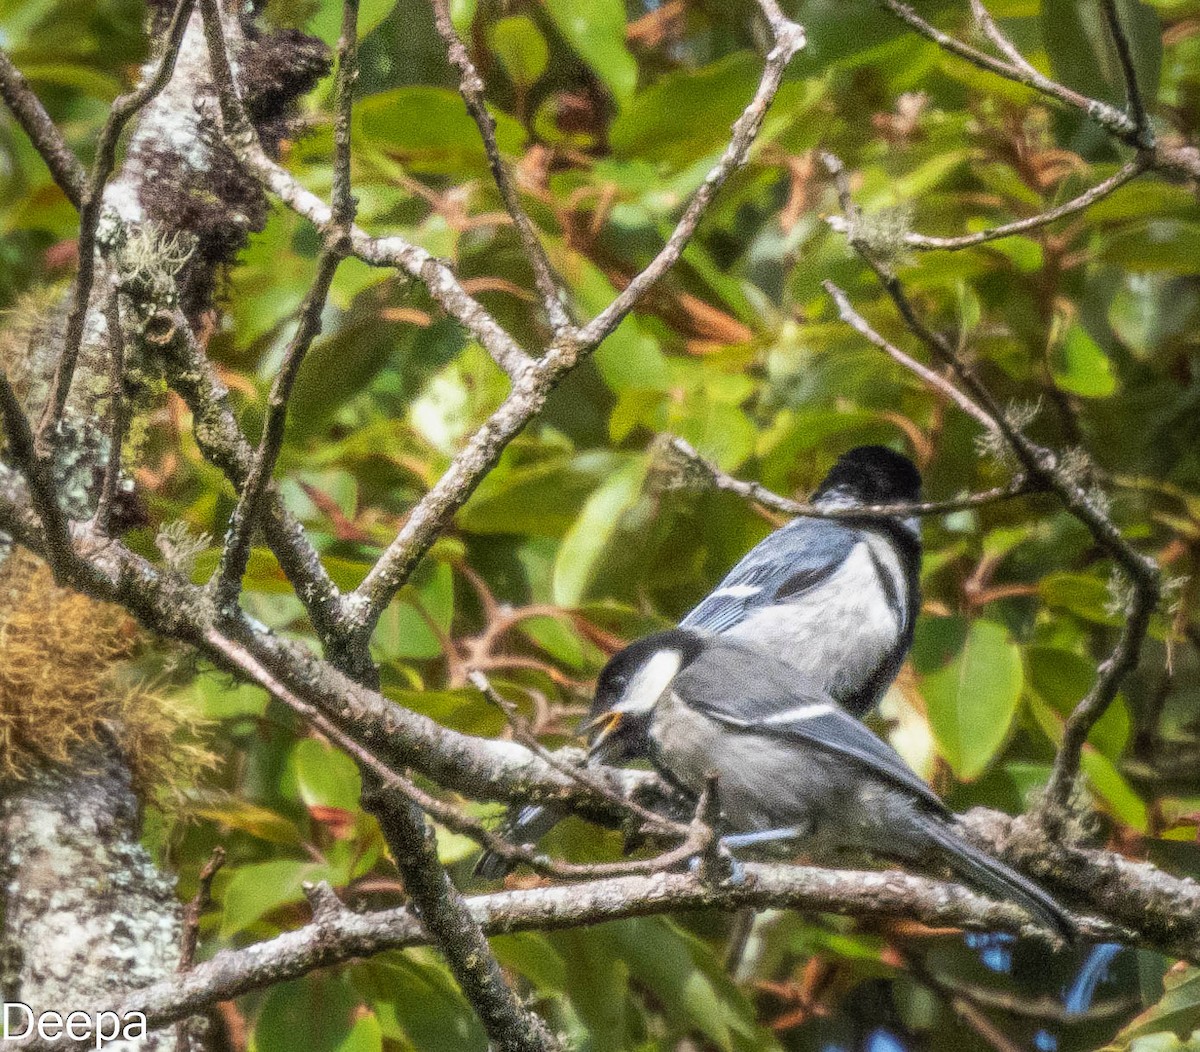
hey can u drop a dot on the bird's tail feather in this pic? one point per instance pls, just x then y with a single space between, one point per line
994 877
527 826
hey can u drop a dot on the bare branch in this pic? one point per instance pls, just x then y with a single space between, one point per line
934 379
392 251
56 530
1042 467
1128 171
1102 113
992 31
91 202
223 443
1133 94
470 86
227 579
65 168
759 494
789 38
532 385
344 935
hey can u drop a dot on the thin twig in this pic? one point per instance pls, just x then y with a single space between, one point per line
185 1033
65 168
227 579
116 411
1108 116
193 910
1042 467
1128 171
470 86
580 775
42 493
1133 93
788 39
1018 486
934 379
236 554
222 442
90 205
992 31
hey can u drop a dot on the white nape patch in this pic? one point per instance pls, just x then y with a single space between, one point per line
802 712
736 591
650 681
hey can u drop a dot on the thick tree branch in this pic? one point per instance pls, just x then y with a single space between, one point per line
339 936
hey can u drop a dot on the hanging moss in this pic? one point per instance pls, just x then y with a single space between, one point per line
64 687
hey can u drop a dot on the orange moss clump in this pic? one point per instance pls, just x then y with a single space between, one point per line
61 689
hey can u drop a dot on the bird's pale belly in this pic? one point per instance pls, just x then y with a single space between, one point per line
765 784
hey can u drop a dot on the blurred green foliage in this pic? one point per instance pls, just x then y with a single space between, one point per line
611 114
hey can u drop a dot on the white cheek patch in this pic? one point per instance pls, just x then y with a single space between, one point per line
650 681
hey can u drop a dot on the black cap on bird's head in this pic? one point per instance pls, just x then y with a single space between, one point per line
871 475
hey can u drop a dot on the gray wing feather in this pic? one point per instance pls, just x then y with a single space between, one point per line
743 687
783 566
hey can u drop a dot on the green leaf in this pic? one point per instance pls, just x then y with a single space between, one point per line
596 30
327 22
312 1013
972 701
521 49
255 890
366 1035
325 775
402 633
1178 1011
585 542
250 818
429 129
1081 367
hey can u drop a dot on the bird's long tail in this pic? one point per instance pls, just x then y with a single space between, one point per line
527 826
994 877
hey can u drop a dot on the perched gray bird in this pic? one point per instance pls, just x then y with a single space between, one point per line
836 599
792 765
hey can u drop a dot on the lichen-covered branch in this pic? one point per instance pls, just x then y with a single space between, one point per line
1128 171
